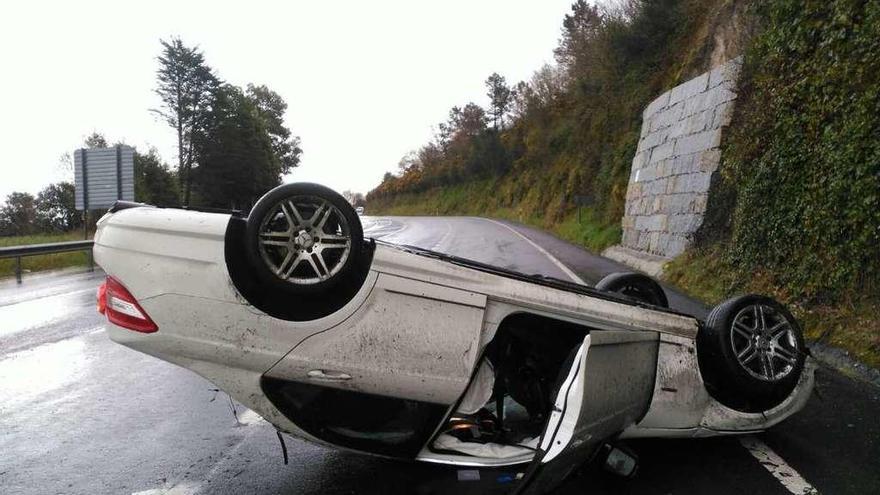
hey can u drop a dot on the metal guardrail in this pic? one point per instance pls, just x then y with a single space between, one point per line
18 252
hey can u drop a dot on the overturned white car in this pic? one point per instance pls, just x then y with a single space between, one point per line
402 352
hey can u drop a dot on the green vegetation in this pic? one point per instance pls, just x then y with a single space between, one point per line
801 165
43 262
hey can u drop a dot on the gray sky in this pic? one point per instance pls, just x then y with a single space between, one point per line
365 81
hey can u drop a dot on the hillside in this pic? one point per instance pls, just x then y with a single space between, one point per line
795 207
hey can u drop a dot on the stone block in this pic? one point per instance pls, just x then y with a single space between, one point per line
641 159
723 114
725 73
680 184
674 204
699 203
682 164
666 117
651 223
675 246
698 142
657 205
630 237
684 223
647 174
642 241
694 86
655 106
707 161
696 104
662 242
701 121
662 152
654 242
679 129
652 139
699 182
627 222
634 191
659 186
718 96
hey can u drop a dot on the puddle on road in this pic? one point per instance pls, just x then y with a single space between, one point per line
37 313
27 374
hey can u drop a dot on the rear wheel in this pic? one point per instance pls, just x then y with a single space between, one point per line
303 238
635 286
751 353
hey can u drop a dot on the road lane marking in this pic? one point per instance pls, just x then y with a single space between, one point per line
572 275
184 486
438 246
790 479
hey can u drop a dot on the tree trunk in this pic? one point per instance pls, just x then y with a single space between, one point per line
181 164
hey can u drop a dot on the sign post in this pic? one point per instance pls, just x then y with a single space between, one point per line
581 200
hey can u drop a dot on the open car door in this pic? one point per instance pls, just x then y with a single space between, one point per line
608 387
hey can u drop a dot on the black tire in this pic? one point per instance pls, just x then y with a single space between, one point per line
311 256
751 353
635 286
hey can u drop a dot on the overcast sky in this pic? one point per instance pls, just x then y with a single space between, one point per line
365 81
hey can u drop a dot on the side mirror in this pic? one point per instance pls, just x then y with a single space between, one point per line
620 461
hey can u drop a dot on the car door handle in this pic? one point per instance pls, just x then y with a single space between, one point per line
329 375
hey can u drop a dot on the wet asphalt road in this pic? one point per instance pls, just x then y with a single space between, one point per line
80 414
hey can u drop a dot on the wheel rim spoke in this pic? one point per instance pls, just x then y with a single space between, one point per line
766 365
786 355
778 330
281 268
761 323
322 263
743 330
273 243
293 215
314 265
748 355
321 215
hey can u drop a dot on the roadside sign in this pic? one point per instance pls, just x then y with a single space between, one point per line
102 176
583 200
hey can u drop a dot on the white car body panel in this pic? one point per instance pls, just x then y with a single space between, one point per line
173 262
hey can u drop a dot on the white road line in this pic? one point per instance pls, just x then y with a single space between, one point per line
790 479
572 275
438 246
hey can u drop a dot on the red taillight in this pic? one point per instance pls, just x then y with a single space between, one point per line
123 309
102 298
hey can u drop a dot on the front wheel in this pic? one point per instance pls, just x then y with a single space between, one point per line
303 238
751 353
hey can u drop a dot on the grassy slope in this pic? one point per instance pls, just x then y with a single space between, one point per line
42 262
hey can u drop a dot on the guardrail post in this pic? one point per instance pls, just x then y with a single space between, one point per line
18 269
91 260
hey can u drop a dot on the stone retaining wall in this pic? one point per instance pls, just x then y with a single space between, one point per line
677 154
